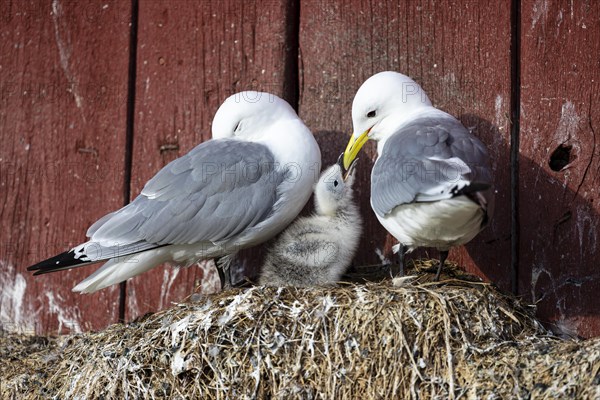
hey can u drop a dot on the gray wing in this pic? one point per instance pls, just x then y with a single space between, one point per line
213 193
429 159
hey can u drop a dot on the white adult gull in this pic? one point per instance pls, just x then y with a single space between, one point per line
237 190
318 249
431 185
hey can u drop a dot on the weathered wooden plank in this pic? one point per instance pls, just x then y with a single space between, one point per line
459 53
559 163
191 56
63 79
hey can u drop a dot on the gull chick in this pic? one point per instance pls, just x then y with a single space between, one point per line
237 190
317 250
431 185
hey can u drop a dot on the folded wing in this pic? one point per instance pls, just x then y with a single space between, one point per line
429 159
218 190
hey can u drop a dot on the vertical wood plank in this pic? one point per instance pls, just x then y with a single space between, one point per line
559 163
191 56
459 53
63 77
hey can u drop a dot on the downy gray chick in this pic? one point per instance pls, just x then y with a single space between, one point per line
317 250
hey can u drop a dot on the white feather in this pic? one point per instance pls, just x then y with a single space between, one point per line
439 224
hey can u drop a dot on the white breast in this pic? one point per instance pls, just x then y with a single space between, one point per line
440 224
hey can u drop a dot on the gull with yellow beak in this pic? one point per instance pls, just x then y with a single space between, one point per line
431 185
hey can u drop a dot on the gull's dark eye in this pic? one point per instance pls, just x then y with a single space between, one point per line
237 127
335 183
371 114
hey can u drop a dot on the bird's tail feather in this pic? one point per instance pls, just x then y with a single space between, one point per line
472 187
66 260
448 191
88 253
120 269
476 193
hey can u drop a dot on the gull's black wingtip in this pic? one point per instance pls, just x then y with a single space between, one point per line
59 262
473 187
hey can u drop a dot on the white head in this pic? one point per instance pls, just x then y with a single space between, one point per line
245 113
379 104
384 95
334 190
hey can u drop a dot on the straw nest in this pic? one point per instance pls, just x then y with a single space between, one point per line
416 339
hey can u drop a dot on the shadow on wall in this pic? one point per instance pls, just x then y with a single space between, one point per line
557 237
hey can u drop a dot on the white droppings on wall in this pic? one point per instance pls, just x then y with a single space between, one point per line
536 272
568 124
382 258
132 304
64 52
587 228
566 327
540 10
169 276
559 20
567 133
498 109
15 314
67 316
211 283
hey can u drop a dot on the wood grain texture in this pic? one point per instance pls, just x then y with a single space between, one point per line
458 53
63 77
560 208
191 56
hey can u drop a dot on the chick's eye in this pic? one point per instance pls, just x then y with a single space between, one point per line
335 183
371 114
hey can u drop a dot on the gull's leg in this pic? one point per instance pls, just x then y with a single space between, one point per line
400 249
223 264
224 278
443 256
401 254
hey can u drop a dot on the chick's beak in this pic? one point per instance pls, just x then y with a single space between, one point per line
349 170
354 146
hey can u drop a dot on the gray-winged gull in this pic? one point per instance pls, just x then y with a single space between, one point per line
317 250
431 185
234 191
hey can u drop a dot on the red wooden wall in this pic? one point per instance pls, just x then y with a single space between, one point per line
67 67
560 106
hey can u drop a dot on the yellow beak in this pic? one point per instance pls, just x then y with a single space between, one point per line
354 146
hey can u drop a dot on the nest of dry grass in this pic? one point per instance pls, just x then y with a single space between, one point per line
452 339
